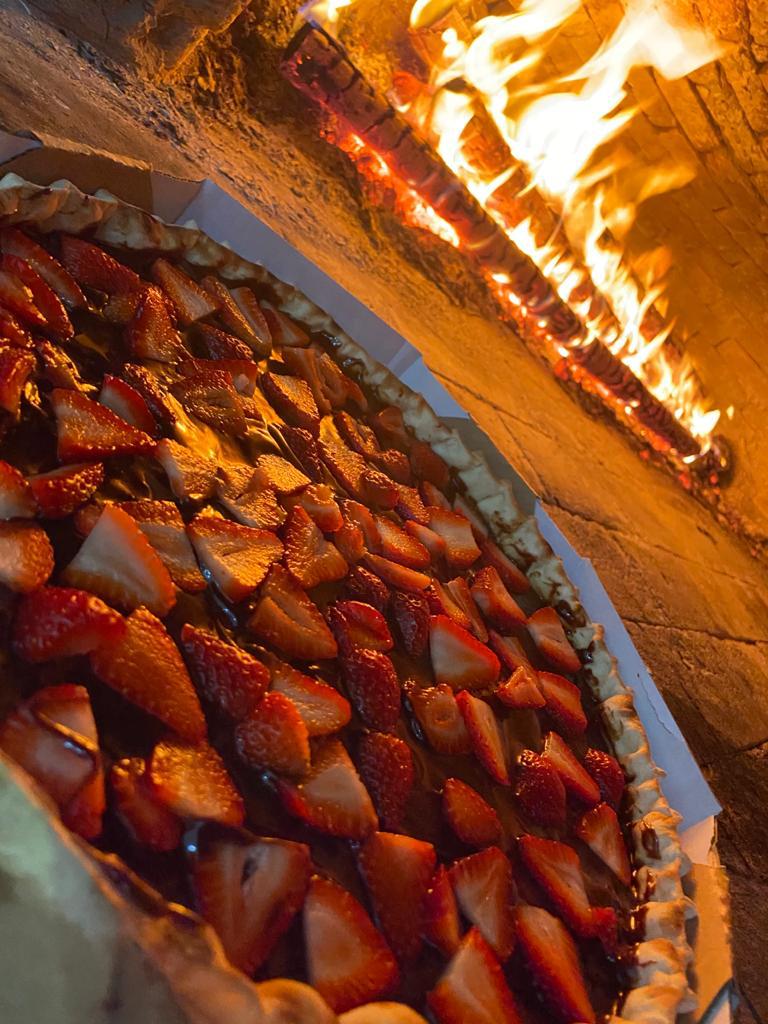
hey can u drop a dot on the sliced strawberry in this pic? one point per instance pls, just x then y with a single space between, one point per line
256 337
473 819
283 328
485 893
292 399
45 300
521 690
276 472
310 557
442 602
12 331
92 267
162 525
15 367
303 362
150 334
356 624
485 735
510 651
249 890
441 721
412 509
18 299
546 631
540 791
244 374
57 368
163 406
390 428
434 498
362 585
396 466
441 914
461 549
251 312
16 498
512 577
220 345
373 687
377 490
357 434
236 557
120 309
52 272
146 818
323 709
462 597
411 615
61 491
305 448
127 403
607 773
211 397
289 620
551 956
463 507
361 516
319 502
600 830
191 476
427 465
257 508
386 767
396 575
398 546
432 541
473 990
458 658
274 737
366 485
147 669
332 798
227 675
56 622
26 556
576 780
87 430
189 300
494 600
557 870
606 925
563 703
190 780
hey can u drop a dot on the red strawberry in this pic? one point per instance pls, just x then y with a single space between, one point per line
473 819
286 618
310 557
277 472
227 675
521 690
547 633
411 614
12 331
56 622
386 766
373 687
432 541
353 473
510 651
332 798
254 334
26 556
284 329
220 345
575 779
160 402
151 333
441 721
211 397
362 585
563 703
292 398
273 737
92 267
458 658
513 578
485 893
427 465
305 448
319 502
463 507
462 597
249 890
434 498
607 773
540 791
396 466
551 956
242 372
162 525
304 363
473 990
361 516
52 272
236 557
356 624
120 309
339 388
191 781
16 498
442 602
15 368
486 737
390 428
45 300
251 312
189 300
396 575
441 914
606 925
600 830
146 818
557 870
147 669
259 509
398 546
87 430
323 709
357 434
190 475
397 871
411 508
495 601
57 368
127 403
461 549
348 961
17 298
61 491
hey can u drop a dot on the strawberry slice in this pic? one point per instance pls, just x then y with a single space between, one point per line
211 397
398 546
521 690
162 525
397 871
52 272
485 893
190 301
127 403
556 868
396 466
442 602
254 333
251 312
121 309
606 924
274 737
218 344
87 430
331 799
191 476
283 328
551 956
303 362
458 658
323 709
386 766
356 624
495 602
563 703
236 557
441 914
358 435
319 502
190 780
12 331
308 555
411 615
461 550
373 687
163 406
427 465
151 333
390 428
434 498
600 830
306 451
540 791
228 676
485 735
607 773
15 368
463 599
147 669
510 651
117 562
441 721
432 541
16 498
411 508
289 620
473 819
56 622
292 399
259 509
26 556
277 472
92 267
512 577
366 485
473 990
150 823
396 575
17 298
576 780
361 516
63 490
463 507
362 585
546 631
249 889
45 300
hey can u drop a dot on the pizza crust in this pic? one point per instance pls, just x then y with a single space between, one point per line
661 987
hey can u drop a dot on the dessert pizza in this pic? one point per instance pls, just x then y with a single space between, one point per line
282 644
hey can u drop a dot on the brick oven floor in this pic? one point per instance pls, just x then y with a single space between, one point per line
690 594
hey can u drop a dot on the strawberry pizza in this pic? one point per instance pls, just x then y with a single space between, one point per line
278 642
